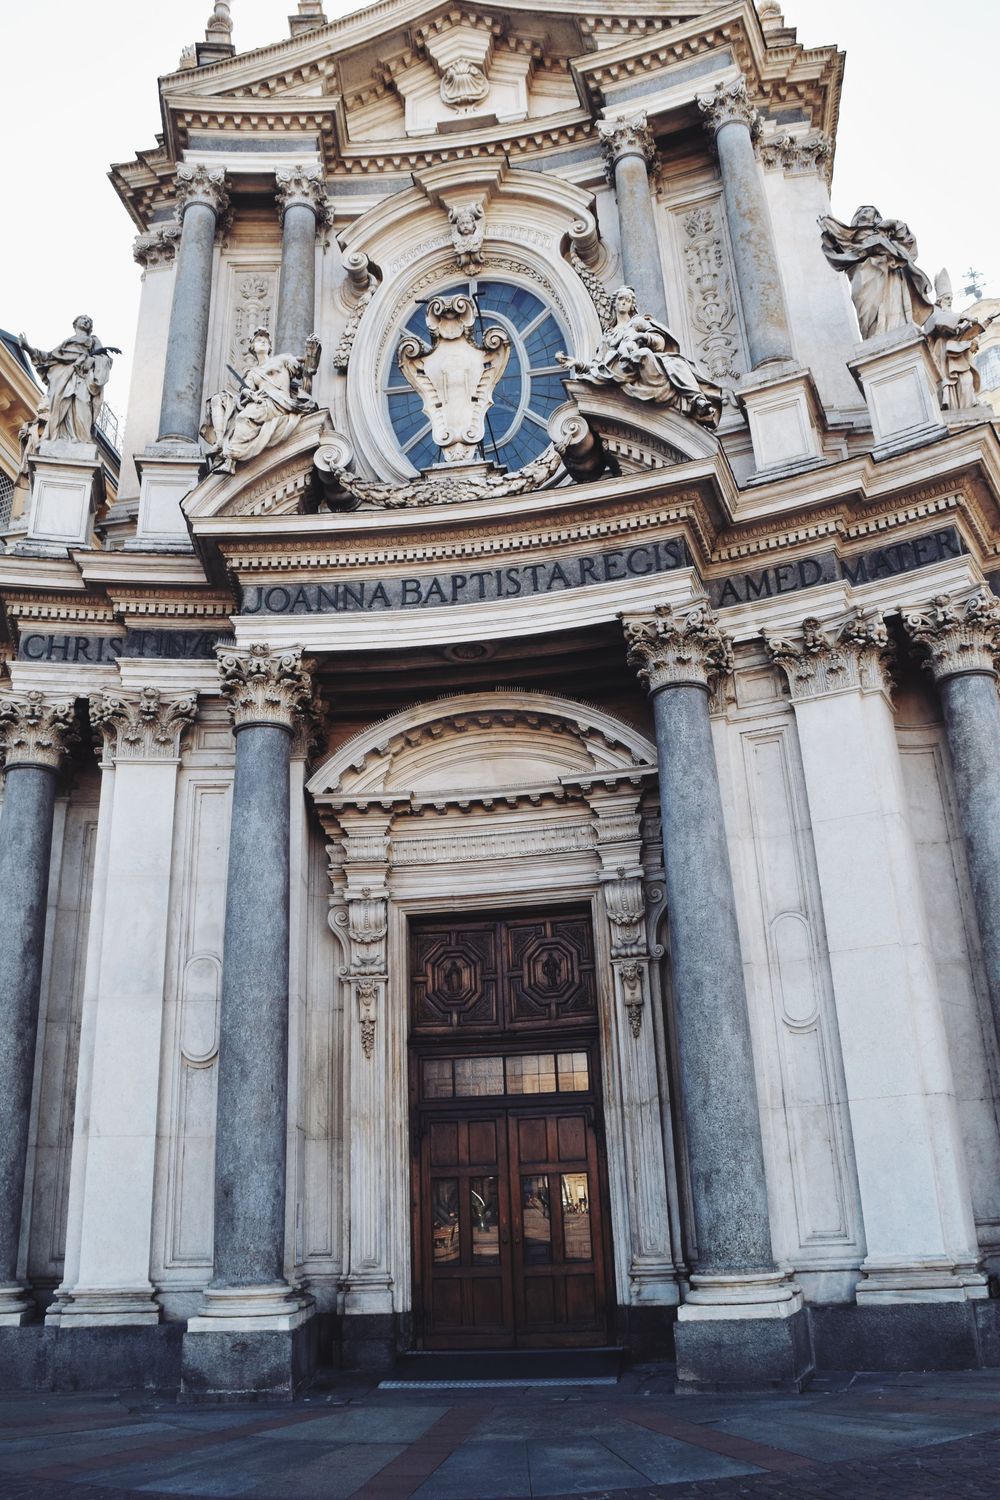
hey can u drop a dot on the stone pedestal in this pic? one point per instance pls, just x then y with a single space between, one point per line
167 472
749 1331
899 380
67 485
785 419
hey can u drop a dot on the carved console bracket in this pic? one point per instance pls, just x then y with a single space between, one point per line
359 907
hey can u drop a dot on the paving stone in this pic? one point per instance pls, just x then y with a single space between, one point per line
588 1466
484 1468
667 1461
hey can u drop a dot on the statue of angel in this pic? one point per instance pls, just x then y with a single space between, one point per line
75 373
641 355
468 226
455 377
273 397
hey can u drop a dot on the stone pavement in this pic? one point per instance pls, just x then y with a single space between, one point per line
864 1437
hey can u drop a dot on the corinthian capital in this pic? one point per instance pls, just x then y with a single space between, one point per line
265 686
304 185
200 184
667 649
629 135
143 726
35 732
819 661
961 635
729 103
157 247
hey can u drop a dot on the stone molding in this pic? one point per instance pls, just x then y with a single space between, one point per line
157 247
960 635
142 726
798 154
197 183
303 186
668 649
728 104
35 731
629 135
820 661
263 686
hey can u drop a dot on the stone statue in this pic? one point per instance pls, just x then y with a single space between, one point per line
274 395
468 225
642 356
954 342
455 378
75 374
463 83
879 256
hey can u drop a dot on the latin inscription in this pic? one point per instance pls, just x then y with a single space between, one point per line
98 650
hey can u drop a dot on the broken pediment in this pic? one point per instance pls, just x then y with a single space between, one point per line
278 482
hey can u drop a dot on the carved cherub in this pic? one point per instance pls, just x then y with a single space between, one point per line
468 226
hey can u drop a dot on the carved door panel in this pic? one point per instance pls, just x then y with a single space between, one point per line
465 1232
560 1293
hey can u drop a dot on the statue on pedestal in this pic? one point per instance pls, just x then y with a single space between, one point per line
954 342
75 373
274 394
641 355
879 257
455 378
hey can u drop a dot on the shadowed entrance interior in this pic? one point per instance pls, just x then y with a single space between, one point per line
509 1202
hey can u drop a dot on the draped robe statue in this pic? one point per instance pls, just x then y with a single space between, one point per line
75 373
879 257
274 396
641 355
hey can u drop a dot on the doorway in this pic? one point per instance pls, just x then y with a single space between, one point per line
510 1224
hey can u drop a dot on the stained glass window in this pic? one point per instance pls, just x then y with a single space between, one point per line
526 396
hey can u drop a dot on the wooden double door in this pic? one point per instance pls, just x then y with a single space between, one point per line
510 1229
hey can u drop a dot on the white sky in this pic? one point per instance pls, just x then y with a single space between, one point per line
918 137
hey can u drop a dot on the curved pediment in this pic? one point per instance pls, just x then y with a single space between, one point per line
277 482
482 746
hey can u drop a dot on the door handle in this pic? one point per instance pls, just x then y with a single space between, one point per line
517 1239
505 1238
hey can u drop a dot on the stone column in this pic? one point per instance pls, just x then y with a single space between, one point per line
735 125
302 205
916 1202
201 201
629 155
34 734
742 1319
962 638
106 1278
249 1297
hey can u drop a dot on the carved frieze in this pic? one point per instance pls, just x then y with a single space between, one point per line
668 648
264 686
708 284
36 731
959 635
820 660
143 726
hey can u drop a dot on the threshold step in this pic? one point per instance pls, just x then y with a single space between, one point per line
483 1369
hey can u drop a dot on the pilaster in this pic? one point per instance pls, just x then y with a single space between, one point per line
915 1197
107 1273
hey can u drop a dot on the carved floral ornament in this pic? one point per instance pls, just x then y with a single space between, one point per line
960 635
264 686
825 660
667 649
144 727
35 731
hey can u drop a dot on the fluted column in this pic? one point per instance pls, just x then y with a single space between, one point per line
201 201
302 205
34 734
962 638
735 124
267 693
629 155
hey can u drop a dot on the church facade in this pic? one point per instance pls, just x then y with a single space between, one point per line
501 829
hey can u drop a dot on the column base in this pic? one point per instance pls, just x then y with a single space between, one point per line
743 1333
250 1358
16 1305
920 1281
97 1307
276 1308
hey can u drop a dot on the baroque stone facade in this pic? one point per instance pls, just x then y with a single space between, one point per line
566 734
